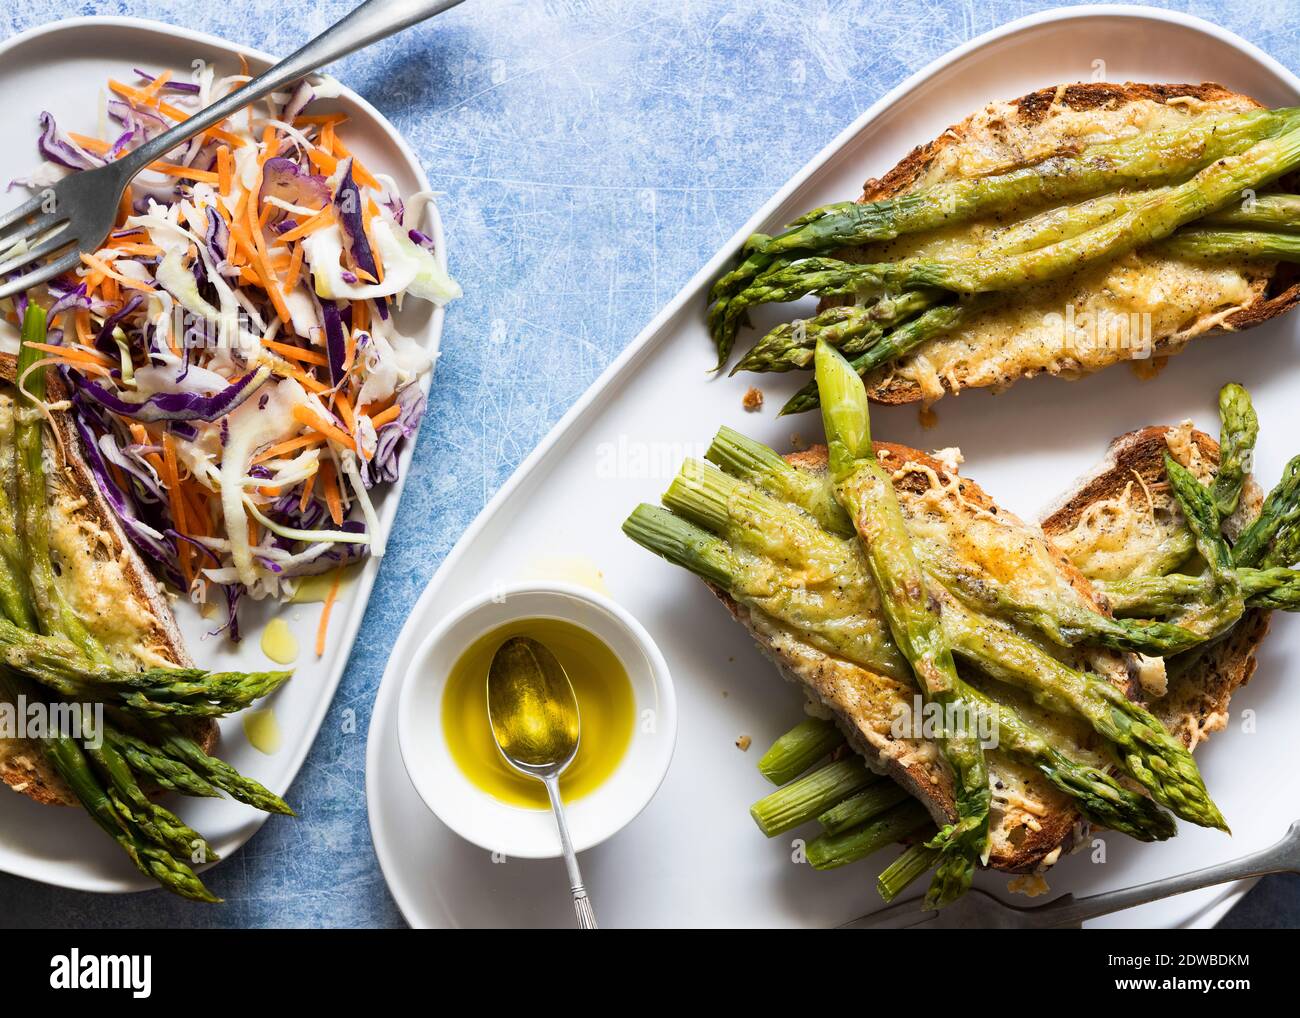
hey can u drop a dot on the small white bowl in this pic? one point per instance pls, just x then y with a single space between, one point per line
473 813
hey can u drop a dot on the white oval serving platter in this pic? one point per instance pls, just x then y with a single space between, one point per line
694 857
63 67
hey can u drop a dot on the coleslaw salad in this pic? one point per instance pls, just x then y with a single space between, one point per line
230 354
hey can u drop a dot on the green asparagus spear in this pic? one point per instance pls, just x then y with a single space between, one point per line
1149 221
181 747
851 329
1199 243
1270 211
1144 749
150 762
1277 516
831 850
866 492
756 464
917 859
159 825
58 664
890 347
1238 431
798 749
811 795
862 806
53 613
1142 161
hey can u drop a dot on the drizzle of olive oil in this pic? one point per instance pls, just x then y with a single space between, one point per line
279 643
606 705
262 730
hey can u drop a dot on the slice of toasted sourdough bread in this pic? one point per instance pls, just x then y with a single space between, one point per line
953 523
1136 307
102 578
1122 520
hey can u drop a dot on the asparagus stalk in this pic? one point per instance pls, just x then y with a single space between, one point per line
867 494
851 329
829 851
1272 211
858 809
1239 427
798 749
58 664
159 825
53 614
892 346
811 795
149 761
1146 222
1204 244
917 859
756 464
1143 161
1143 748
181 747
1276 520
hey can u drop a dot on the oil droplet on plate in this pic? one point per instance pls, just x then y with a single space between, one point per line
262 730
575 569
279 643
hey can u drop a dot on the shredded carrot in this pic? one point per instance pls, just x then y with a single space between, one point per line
96 145
154 87
297 353
359 173
138 97
185 172
81 323
102 267
225 169
288 445
293 371
130 247
306 493
308 226
382 418
325 613
270 283
294 270
269 491
307 416
71 353
361 315
323 161
330 488
372 410
349 351
345 411
171 481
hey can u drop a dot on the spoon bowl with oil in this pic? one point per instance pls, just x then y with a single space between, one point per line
535 720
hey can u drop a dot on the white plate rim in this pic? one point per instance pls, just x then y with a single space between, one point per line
1204 915
130 881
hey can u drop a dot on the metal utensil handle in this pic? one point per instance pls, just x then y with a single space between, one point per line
582 909
1280 858
373 20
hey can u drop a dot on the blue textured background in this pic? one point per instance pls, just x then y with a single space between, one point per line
594 153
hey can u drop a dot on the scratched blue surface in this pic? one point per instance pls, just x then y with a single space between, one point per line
594 153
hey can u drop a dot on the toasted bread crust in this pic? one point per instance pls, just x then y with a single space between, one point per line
1274 290
22 765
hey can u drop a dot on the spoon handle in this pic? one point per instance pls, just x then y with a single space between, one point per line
582 909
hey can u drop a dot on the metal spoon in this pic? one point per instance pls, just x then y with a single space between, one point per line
534 716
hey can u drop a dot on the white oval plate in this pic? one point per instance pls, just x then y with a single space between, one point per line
63 67
694 857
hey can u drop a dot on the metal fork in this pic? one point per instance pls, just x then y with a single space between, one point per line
977 910
79 211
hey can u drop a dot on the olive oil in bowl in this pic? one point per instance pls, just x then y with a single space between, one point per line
605 702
